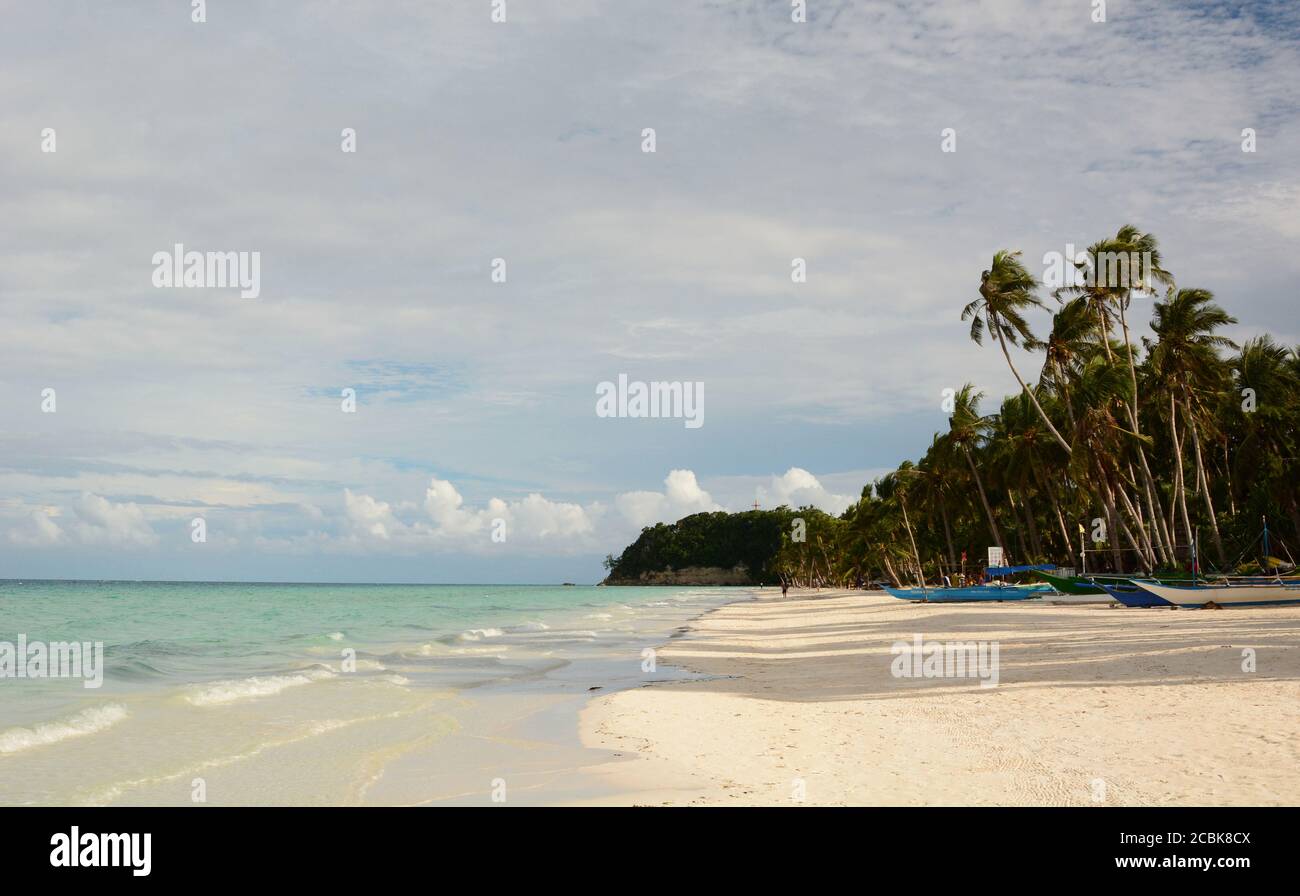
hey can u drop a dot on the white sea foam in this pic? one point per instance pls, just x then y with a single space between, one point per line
370 666
335 636
600 615
88 721
530 627
479 634
222 692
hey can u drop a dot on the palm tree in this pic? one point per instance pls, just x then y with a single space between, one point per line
1006 292
1263 426
1101 440
967 429
1071 338
1186 361
1129 252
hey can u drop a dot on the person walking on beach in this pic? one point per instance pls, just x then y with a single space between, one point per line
785 587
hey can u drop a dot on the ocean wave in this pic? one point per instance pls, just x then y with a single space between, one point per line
151 647
528 627
236 690
601 616
133 670
475 634
335 636
88 721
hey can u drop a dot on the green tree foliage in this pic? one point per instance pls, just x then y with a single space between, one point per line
1157 439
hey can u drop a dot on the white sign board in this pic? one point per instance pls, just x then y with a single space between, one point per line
995 557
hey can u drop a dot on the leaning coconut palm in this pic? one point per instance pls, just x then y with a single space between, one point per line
1101 439
1115 269
1072 337
1006 292
936 488
1185 360
967 429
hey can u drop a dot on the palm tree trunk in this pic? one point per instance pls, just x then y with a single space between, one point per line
947 531
1134 509
1203 480
1156 520
1044 486
1144 550
1034 538
1132 370
1227 478
1032 397
1180 492
984 499
920 576
1167 554
889 568
1104 325
1064 383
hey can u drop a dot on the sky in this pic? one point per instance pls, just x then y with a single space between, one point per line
524 140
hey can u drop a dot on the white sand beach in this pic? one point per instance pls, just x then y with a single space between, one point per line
1093 706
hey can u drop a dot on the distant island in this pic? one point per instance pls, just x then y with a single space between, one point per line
755 547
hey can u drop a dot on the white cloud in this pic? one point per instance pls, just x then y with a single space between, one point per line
796 487
368 518
92 520
37 529
682 497
100 521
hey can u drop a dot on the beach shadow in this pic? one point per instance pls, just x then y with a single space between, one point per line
805 651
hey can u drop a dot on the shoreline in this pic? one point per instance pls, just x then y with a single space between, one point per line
449 691
1094 706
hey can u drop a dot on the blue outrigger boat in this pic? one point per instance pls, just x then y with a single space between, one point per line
970 593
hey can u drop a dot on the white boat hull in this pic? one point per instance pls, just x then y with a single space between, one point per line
1224 595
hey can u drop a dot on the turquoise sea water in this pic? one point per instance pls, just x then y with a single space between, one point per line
246 687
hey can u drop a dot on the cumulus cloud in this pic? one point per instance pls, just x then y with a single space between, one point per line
92 520
681 497
534 518
100 521
446 520
796 487
37 528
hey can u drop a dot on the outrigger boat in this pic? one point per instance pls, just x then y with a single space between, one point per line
1095 584
1218 591
970 593
1228 594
